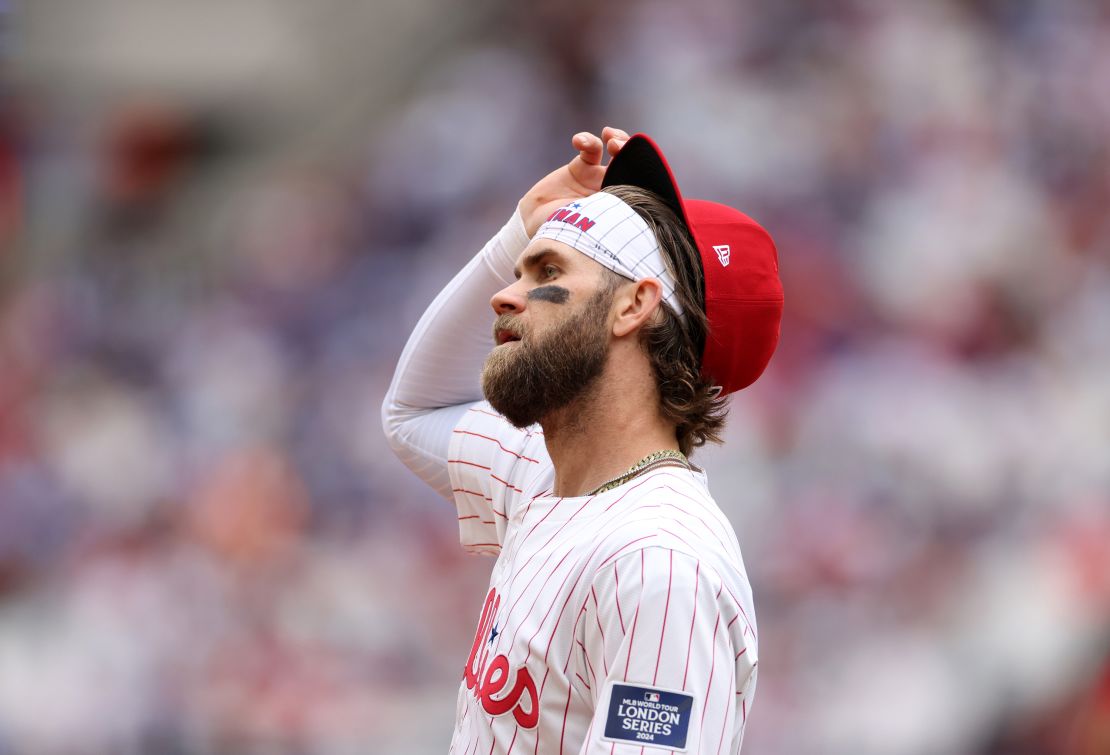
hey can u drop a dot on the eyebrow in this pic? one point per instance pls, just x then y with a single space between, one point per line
536 258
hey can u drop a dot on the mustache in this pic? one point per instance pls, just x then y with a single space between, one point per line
508 324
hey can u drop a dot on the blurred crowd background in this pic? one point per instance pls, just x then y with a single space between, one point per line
219 222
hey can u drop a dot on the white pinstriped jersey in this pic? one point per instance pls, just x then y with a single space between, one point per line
615 623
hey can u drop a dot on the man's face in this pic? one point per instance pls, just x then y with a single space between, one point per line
552 332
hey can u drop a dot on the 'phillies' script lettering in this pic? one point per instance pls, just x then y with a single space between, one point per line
488 678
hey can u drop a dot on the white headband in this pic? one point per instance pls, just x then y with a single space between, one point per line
607 230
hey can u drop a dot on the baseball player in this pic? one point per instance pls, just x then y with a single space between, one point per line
619 615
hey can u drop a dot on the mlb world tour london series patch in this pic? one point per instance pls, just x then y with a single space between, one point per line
648 716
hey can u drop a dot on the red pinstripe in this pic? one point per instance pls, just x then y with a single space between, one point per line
555 534
522 569
479 410
604 642
679 538
506 483
543 519
569 594
740 606
747 621
543 684
620 550
710 527
471 492
728 705
574 629
555 627
651 478
559 617
721 740
589 665
544 619
617 596
465 715
687 514
690 638
566 711
666 610
701 505
534 600
533 500
468 463
568 521
529 432
635 621
541 548
712 668
500 445
524 592
594 594
520 544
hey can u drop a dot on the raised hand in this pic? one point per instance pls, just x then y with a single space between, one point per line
579 178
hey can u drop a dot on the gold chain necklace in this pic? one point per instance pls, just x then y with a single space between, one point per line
665 458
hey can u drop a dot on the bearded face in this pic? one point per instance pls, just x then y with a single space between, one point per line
528 379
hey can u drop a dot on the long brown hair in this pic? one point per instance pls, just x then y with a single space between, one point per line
674 343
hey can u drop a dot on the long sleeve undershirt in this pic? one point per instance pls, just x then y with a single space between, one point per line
438 375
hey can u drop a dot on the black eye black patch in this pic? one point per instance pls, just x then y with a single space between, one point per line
553 294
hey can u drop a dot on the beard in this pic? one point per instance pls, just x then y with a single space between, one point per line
540 375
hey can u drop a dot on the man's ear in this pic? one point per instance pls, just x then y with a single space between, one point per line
635 305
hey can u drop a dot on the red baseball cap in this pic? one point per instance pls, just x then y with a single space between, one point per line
743 294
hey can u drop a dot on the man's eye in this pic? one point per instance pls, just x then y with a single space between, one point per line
550 271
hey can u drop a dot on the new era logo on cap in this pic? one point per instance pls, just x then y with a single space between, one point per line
723 253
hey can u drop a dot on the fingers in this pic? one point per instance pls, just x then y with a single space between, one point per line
608 133
614 139
589 147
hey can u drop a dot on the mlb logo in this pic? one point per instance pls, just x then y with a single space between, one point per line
723 253
651 697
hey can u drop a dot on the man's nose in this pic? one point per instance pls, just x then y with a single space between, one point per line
508 300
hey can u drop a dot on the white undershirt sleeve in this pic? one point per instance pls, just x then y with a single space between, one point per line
438 375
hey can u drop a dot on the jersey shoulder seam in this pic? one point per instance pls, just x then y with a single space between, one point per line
647 546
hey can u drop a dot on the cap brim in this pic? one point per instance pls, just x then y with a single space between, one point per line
641 163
